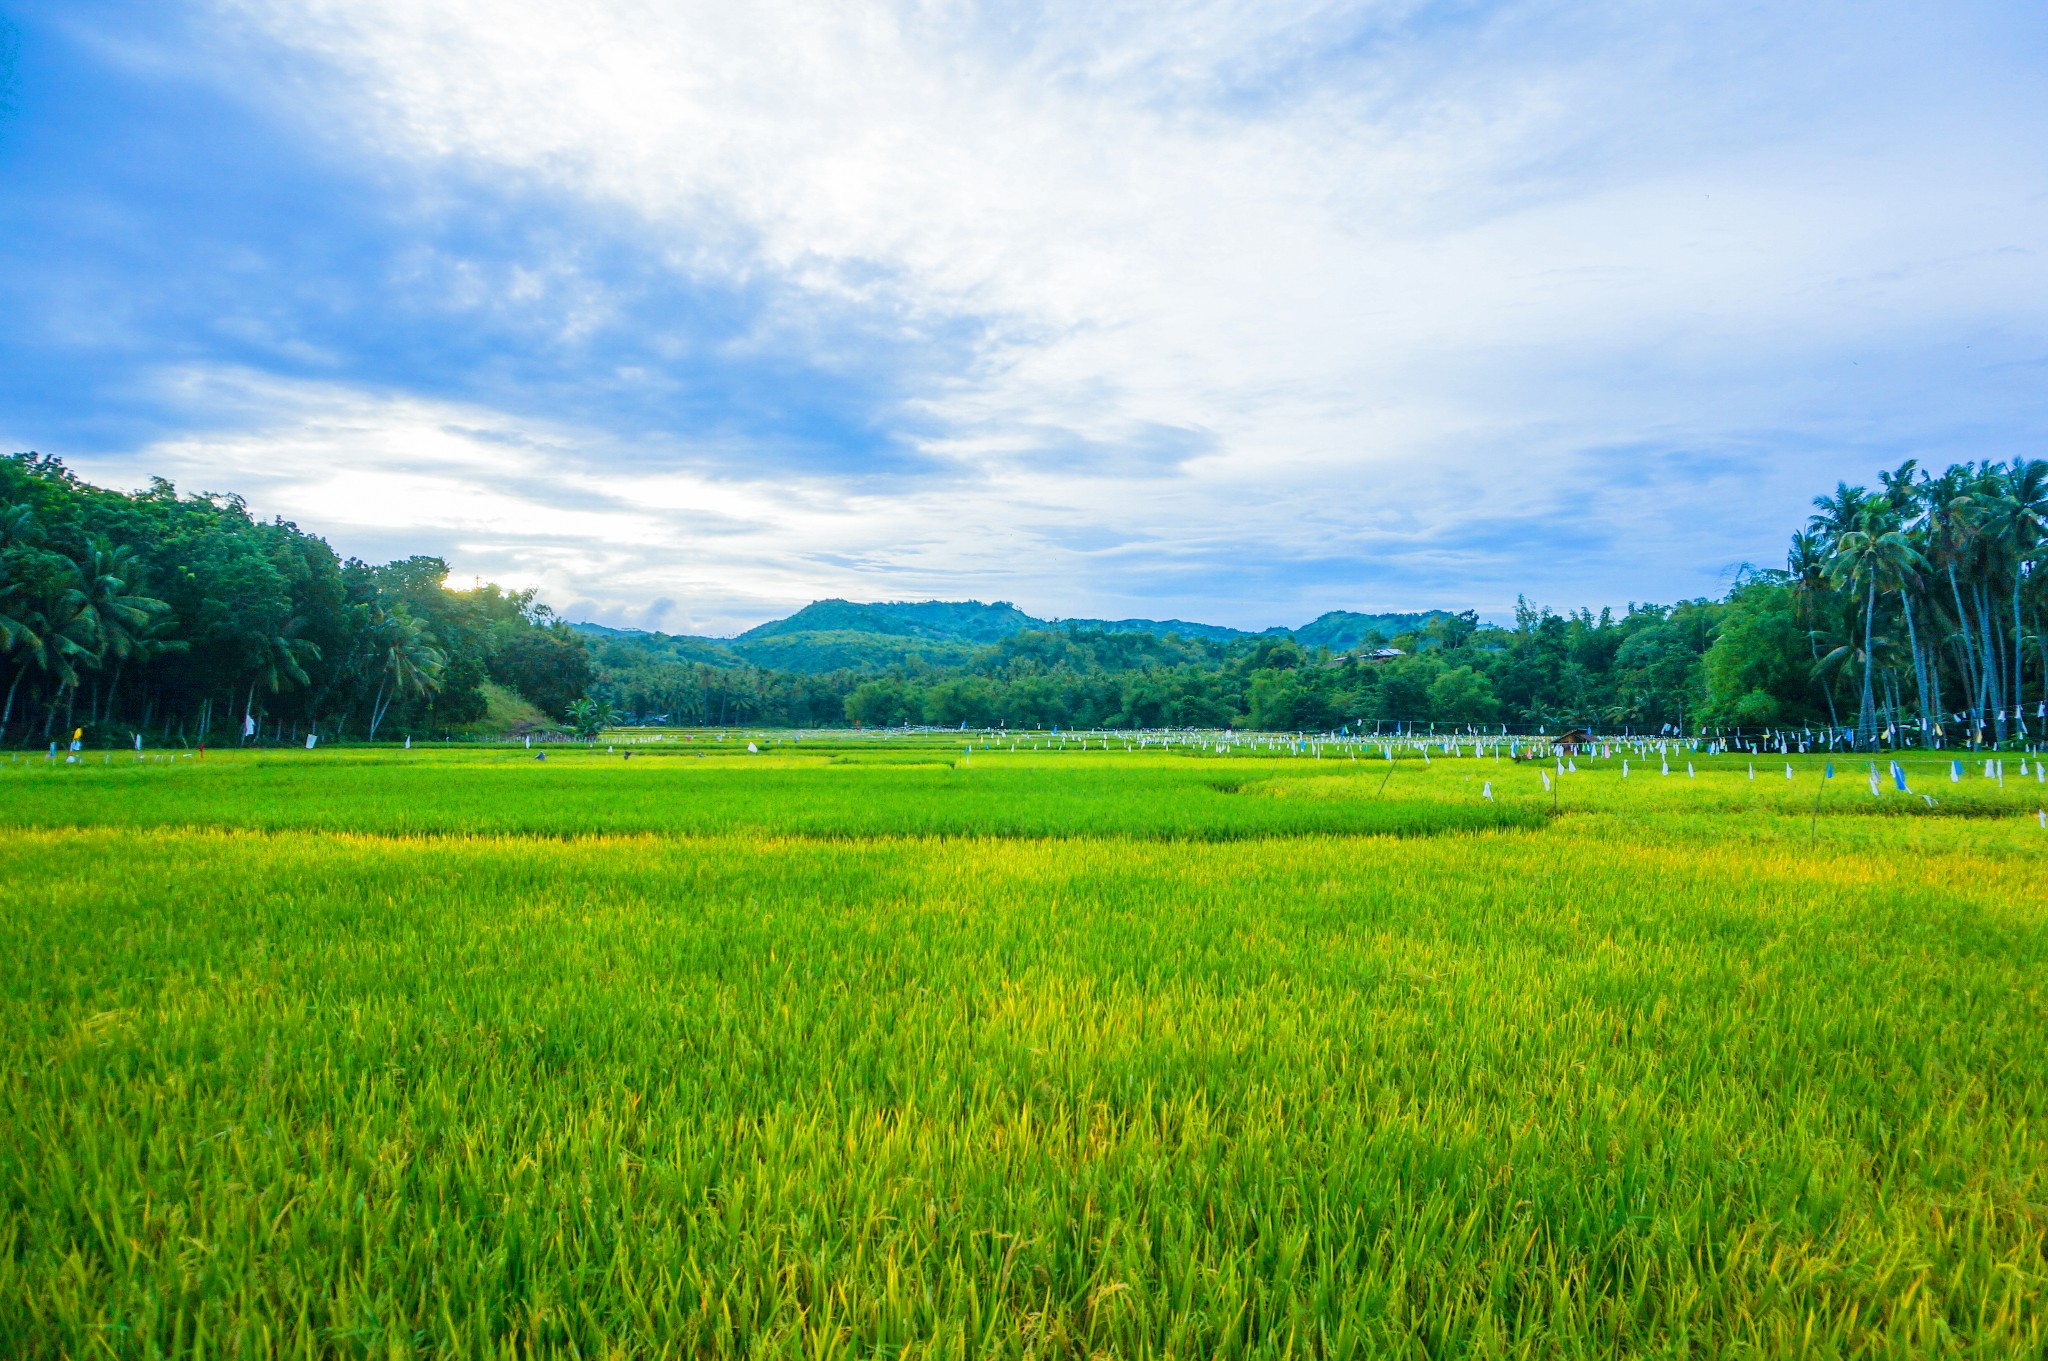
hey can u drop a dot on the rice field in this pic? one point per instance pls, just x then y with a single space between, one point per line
859 1049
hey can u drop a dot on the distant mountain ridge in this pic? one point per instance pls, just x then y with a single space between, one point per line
827 635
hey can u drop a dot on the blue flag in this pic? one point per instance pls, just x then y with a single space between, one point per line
1831 771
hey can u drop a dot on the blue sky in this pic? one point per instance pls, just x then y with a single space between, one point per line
688 314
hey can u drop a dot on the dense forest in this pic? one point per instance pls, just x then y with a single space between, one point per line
1909 614
1912 614
186 618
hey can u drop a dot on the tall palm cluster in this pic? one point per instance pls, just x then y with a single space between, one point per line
1928 594
185 617
69 619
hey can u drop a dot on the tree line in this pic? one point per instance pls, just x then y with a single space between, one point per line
1911 613
185 617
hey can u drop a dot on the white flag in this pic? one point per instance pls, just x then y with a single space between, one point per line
248 725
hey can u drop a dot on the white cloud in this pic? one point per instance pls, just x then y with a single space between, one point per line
1380 269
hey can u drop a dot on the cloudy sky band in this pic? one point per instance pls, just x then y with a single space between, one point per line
691 313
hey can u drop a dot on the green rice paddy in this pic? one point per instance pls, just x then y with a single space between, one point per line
857 1049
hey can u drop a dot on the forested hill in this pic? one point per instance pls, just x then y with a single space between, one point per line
835 635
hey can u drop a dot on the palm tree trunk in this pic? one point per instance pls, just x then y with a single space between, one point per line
1972 674
1995 651
1934 678
1919 663
2019 645
113 683
7 716
2041 642
1866 716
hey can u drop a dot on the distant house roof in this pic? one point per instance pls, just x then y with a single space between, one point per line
1381 654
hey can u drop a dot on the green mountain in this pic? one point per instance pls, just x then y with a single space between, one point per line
680 647
1159 628
831 635
964 621
1341 630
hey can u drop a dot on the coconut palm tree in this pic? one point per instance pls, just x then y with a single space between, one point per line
411 665
1836 515
114 607
277 660
1874 553
1953 540
1806 573
2016 520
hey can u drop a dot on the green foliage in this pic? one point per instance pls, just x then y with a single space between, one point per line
967 621
1758 672
549 665
180 614
1343 630
848 650
1916 612
1461 694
